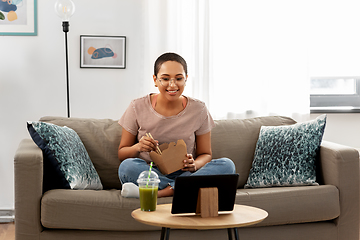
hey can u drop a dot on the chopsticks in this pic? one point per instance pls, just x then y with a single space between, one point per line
158 151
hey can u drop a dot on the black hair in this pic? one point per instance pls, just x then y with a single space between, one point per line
169 57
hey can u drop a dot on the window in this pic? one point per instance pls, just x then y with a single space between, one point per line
335 94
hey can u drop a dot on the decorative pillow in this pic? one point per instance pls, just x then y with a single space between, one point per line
65 157
285 155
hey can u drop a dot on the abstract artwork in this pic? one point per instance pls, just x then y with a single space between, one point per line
18 17
102 51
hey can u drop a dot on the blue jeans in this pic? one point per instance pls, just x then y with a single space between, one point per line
131 168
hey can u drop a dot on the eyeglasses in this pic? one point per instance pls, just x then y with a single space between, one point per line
179 81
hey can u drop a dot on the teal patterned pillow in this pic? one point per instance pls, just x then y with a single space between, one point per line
66 155
285 155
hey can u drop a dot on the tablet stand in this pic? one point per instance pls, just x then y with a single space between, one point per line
207 202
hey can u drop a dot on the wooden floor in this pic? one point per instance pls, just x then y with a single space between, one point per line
7 231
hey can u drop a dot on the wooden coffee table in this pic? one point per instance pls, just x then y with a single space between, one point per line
241 216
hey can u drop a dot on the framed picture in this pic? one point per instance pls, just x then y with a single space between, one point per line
18 17
102 51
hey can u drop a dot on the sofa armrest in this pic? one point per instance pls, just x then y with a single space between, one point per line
28 167
340 167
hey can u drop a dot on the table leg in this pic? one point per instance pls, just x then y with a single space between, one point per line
162 237
235 233
229 233
165 233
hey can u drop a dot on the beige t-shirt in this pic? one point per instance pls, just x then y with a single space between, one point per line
141 118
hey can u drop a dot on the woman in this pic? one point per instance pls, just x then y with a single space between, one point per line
168 116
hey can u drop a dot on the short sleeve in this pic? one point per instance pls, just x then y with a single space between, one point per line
129 120
207 123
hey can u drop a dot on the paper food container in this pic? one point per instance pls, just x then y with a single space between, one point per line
172 157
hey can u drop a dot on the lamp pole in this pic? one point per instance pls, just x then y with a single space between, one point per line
65 9
66 30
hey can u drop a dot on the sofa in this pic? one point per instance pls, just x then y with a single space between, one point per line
328 211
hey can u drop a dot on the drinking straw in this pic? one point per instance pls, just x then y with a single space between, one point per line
147 183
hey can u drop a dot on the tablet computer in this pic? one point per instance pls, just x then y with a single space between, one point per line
187 188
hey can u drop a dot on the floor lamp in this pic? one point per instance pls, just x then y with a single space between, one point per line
65 9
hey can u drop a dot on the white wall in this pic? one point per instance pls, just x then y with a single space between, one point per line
32 77
342 128
32 74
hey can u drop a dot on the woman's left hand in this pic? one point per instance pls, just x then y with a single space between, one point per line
189 163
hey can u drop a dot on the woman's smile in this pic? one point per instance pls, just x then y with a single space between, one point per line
172 92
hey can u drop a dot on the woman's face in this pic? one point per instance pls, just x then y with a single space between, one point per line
171 80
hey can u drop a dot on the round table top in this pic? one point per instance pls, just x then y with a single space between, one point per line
241 216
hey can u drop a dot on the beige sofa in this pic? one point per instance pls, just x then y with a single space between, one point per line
328 211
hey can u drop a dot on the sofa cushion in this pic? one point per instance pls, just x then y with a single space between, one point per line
288 205
101 138
286 155
236 139
91 210
66 154
107 210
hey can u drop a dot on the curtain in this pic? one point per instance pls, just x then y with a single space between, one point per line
180 26
245 58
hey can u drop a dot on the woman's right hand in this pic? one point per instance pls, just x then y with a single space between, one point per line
146 144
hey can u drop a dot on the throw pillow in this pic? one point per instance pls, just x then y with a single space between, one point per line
286 155
65 157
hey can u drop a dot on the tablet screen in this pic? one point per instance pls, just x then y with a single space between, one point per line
187 188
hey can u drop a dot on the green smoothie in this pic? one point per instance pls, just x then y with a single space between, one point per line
148 198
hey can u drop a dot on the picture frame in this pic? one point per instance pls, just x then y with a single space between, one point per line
102 51
18 18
